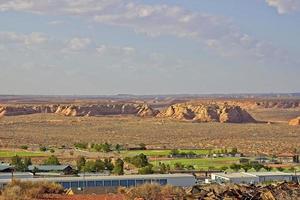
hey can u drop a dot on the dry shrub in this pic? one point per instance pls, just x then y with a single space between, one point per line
153 192
172 192
18 190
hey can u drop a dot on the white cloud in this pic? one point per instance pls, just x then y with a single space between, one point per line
285 6
217 33
23 39
115 50
77 44
56 22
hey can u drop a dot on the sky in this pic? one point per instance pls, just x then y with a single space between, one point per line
105 47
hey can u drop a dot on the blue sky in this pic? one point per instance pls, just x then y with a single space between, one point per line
149 47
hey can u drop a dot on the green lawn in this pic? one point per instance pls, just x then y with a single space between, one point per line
9 154
162 153
201 163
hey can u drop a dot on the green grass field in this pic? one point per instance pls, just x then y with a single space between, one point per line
9 154
201 163
162 153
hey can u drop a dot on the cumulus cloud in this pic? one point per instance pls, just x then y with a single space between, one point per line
285 6
31 39
77 44
217 33
115 50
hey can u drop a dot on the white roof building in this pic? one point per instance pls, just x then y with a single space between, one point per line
251 177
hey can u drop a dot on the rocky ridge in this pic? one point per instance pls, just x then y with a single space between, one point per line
81 110
223 113
187 111
295 122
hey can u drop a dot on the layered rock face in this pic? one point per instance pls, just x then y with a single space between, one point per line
295 122
106 109
208 113
26 110
142 110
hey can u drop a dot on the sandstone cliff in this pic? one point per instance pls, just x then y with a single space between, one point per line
295 122
142 110
208 113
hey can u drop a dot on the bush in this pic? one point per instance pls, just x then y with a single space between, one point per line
52 160
146 170
43 149
153 192
140 160
81 145
18 190
25 147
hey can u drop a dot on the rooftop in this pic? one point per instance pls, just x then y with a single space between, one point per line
235 175
269 173
48 167
152 176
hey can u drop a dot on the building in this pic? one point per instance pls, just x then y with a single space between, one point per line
272 176
237 178
288 158
251 177
16 175
182 180
6 168
65 169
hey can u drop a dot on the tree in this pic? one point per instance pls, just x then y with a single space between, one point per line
99 165
80 163
178 166
108 165
139 161
174 152
224 168
118 148
119 167
18 163
143 146
235 167
27 162
43 148
257 167
89 166
106 147
52 160
234 151
246 167
146 170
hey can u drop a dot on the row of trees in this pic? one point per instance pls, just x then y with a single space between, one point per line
100 165
21 164
102 147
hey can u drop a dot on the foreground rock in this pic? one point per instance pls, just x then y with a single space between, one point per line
142 110
295 122
208 113
279 191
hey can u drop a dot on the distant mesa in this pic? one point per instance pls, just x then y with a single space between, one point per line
142 110
295 122
200 112
208 113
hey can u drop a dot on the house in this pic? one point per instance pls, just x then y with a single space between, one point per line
288 158
65 169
